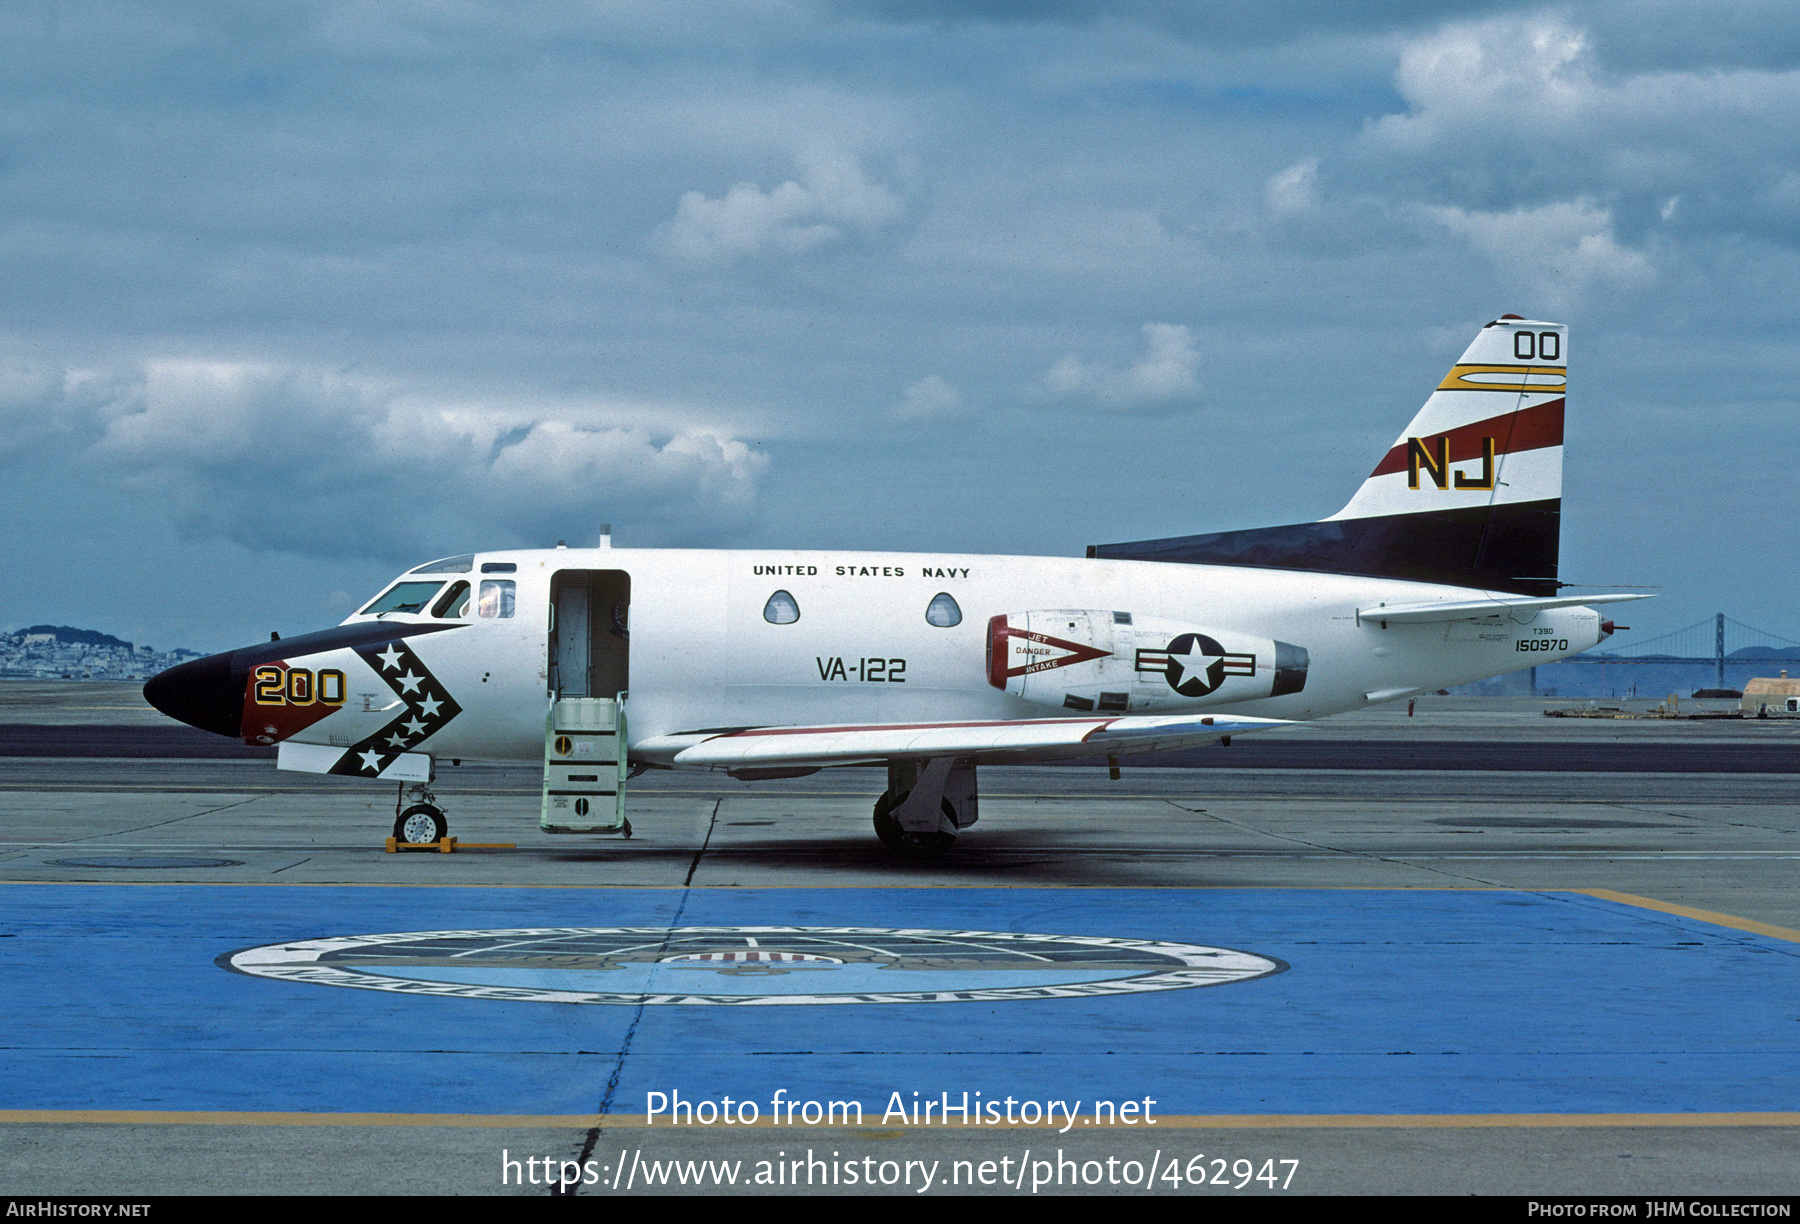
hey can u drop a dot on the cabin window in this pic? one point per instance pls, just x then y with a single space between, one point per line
498 596
449 565
781 609
943 611
406 597
453 603
499 567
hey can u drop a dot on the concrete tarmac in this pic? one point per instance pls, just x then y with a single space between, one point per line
1495 981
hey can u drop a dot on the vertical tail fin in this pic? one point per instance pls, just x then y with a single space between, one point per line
1490 435
1469 495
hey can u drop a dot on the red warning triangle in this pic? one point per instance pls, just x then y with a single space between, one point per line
1042 652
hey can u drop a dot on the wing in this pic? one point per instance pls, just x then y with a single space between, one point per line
986 743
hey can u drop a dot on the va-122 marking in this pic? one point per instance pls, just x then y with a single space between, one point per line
872 671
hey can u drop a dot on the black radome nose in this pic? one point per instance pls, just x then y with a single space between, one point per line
201 693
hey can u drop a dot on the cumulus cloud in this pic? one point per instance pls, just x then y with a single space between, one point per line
931 398
1518 113
1294 191
43 405
1555 251
1165 375
313 462
832 201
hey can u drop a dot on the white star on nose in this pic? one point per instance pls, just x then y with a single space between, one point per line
430 707
414 727
371 761
391 656
409 682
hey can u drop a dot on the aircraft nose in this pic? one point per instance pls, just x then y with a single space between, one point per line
201 693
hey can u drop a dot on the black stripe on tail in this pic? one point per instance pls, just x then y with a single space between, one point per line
1509 548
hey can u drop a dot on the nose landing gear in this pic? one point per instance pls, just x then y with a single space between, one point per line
423 823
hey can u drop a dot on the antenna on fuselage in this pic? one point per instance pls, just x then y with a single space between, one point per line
605 535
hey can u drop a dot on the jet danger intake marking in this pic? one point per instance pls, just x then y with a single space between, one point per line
1194 664
748 965
1042 650
427 708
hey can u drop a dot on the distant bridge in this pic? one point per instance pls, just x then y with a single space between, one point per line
1703 643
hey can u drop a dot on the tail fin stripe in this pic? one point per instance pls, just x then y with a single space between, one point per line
1528 429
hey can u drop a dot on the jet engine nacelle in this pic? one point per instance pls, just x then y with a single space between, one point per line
1117 662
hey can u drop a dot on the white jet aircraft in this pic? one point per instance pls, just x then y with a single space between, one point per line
765 664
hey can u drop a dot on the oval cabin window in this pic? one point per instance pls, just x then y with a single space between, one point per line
781 609
943 611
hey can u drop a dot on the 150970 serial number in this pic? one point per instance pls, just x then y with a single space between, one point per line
1544 643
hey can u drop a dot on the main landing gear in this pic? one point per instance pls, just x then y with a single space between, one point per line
423 822
925 805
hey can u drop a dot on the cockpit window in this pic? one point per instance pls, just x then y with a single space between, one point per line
405 597
453 603
449 565
498 596
781 609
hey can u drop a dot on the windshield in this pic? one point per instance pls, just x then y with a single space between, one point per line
405 597
454 602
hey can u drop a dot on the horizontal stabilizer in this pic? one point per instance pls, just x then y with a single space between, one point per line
1477 609
1045 739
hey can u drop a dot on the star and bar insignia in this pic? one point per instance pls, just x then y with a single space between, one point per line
1194 664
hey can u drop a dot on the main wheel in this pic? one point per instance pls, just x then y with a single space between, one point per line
910 845
419 824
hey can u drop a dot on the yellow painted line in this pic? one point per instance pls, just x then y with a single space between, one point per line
1687 911
160 1117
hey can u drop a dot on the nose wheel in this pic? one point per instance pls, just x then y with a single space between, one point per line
419 824
910 845
423 823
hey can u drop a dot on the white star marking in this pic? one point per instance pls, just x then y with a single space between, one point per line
397 741
409 682
430 707
391 656
371 761
1193 664
414 727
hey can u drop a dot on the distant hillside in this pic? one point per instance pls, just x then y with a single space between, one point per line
86 637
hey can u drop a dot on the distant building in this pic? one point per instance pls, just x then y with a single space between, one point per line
1777 696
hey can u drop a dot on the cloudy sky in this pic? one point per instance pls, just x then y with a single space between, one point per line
302 293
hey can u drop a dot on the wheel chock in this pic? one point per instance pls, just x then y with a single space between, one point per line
448 845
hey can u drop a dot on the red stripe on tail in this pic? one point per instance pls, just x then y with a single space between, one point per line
1528 429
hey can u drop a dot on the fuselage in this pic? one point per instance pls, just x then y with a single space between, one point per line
707 643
